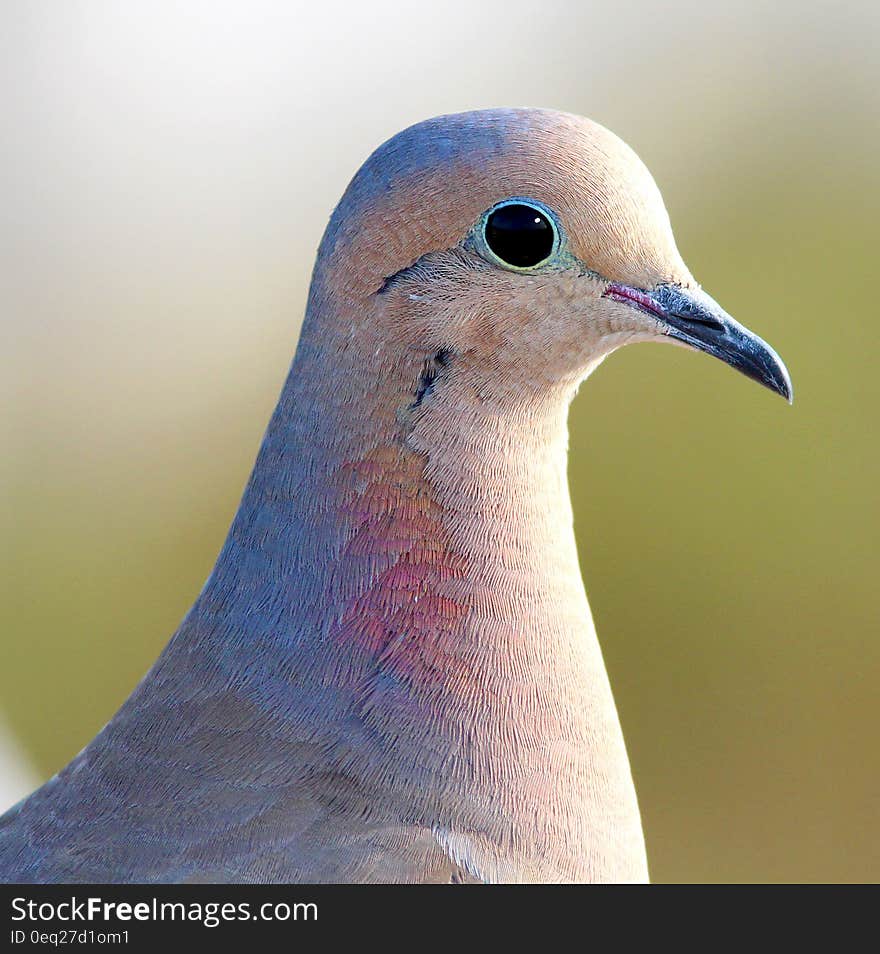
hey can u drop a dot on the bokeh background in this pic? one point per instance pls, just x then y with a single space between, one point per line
167 171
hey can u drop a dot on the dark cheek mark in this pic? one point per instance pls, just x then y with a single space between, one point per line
391 282
430 370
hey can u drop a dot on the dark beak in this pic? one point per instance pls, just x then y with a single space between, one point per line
695 319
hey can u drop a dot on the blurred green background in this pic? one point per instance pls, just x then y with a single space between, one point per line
168 170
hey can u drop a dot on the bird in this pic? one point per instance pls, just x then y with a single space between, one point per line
391 673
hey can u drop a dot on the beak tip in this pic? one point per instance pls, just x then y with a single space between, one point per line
691 317
782 384
777 377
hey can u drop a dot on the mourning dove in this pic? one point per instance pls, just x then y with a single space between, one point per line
391 673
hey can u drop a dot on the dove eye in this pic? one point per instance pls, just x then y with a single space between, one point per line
520 234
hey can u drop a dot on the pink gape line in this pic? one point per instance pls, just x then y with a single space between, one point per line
632 296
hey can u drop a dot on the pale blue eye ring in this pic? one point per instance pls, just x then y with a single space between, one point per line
520 234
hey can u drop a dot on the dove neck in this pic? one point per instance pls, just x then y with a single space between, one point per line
416 493
410 558
415 473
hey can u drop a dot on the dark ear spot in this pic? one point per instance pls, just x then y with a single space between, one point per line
430 372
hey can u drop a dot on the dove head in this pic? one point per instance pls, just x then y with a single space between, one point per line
521 246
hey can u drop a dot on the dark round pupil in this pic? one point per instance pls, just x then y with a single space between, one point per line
519 235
